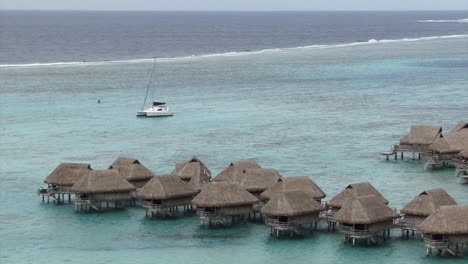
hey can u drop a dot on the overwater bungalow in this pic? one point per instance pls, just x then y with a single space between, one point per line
446 229
416 141
60 181
235 170
446 148
223 201
350 192
133 171
102 186
163 195
292 183
423 205
461 165
193 172
365 218
256 181
288 212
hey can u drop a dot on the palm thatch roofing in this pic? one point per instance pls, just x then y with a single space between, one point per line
464 153
67 174
131 169
452 142
235 170
291 203
166 187
450 220
364 210
461 125
192 168
421 135
223 194
355 190
427 202
102 181
258 180
291 183
198 181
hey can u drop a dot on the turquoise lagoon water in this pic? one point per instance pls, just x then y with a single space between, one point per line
321 112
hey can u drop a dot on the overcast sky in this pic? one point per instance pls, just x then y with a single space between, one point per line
236 4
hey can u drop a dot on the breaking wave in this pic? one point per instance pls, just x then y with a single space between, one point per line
463 20
228 54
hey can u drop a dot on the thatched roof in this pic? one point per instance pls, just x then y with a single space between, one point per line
464 153
166 187
427 202
193 171
355 190
421 135
67 174
223 194
452 142
451 219
235 170
364 210
102 181
461 125
131 169
291 203
291 183
258 180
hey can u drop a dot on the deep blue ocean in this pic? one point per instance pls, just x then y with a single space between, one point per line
307 93
31 36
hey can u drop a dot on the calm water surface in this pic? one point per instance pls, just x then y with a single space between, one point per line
321 112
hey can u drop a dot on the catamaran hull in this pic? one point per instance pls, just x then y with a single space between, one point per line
153 114
155 111
150 114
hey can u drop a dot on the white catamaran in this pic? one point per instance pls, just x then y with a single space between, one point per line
157 109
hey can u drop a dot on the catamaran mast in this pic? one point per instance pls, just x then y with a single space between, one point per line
149 85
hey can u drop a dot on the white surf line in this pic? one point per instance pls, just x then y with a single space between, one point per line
228 54
463 20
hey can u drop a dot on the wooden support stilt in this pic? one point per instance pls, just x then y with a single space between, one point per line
402 155
396 157
419 156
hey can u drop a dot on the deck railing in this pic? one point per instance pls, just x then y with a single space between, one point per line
205 215
280 224
408 148
436 243
82 201
355 232
407 223
52 190
155 207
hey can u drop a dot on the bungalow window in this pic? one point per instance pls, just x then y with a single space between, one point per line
437 237
360 227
